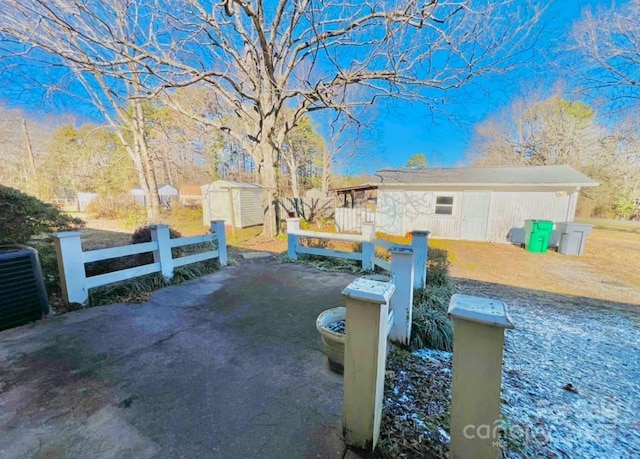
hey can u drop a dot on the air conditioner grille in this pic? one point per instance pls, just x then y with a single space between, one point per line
22 295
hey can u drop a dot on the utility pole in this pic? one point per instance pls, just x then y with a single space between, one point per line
30 157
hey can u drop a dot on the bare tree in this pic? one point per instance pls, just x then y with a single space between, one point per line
534 132
302 152
607 40
23 141
270 64
86 38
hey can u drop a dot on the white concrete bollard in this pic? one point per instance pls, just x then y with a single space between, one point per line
293 226
73 277
478 342
367 302
402 300
218 228
160 234
420 246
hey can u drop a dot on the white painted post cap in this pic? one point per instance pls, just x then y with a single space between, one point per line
370 290
481 310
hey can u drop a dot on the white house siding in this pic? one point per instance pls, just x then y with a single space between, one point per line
509 209
390 211
402 211
250 208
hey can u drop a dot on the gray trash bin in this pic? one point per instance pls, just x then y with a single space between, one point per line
573 237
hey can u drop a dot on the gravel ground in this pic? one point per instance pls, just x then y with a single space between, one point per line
571 382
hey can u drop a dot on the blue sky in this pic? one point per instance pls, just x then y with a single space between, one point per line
409 130
401 129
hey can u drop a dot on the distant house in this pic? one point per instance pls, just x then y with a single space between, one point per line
165 192
480 204
238 204
190 195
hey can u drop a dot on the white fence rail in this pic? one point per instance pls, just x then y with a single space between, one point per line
72 260
367 255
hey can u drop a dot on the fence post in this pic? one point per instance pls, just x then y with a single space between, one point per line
478 341
160 234
73 278
420 246
368 230
402 300
293 226
217 228
367 256
364 360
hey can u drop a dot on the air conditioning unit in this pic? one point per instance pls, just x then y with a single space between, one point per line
23 297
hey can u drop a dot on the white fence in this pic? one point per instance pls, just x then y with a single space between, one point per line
351 219
72 260
367 256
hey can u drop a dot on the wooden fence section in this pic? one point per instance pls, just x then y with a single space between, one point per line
366 255
72 260
351 219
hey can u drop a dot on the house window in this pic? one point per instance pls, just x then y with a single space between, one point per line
444 205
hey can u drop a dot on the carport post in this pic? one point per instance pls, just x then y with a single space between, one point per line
402 300
420 246
73 279
293 226
217 228
160 234
478 342
365 353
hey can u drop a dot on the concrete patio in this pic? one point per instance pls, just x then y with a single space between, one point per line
229 365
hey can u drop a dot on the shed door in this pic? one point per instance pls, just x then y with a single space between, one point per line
475 216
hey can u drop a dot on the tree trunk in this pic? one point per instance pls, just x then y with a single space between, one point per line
294 185
141 149
268 180
326 170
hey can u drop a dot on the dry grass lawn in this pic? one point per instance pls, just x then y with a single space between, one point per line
607 270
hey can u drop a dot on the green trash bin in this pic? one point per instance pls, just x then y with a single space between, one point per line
538 233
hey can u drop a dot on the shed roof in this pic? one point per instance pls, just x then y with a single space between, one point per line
562 175
229 184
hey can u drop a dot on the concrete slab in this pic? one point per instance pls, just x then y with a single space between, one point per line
229 365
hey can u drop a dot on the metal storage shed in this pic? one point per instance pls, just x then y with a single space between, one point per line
238 204
165 192
482 204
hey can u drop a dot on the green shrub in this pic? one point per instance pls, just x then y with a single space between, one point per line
625 205
438 267
431 326
23 216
